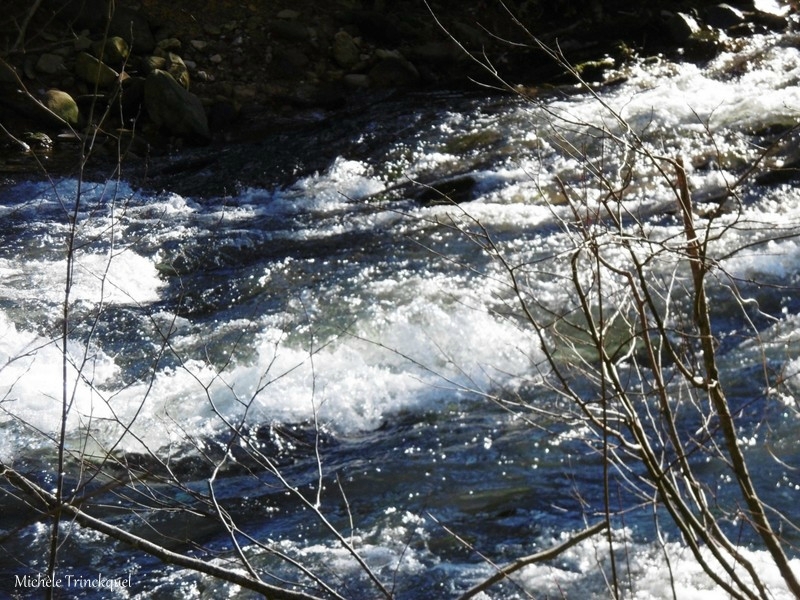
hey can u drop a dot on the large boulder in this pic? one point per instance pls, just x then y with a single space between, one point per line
62 105
94 72
174 108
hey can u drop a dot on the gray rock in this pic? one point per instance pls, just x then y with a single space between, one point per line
724 16
169 45
344 50
92 71
356 80
62 105
681 26
50 64
288 14
173 108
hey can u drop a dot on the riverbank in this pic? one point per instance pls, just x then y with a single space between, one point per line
240 73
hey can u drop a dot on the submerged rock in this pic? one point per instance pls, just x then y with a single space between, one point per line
450 190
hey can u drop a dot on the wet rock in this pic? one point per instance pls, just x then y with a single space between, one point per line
457 189
724 16
680 26
172 107
93 71
704 45
37 140
62 105
595 70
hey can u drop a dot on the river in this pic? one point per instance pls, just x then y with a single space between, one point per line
371 349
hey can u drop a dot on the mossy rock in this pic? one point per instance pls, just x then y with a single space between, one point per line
62 105
93 71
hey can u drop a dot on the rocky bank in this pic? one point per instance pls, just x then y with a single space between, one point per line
149 80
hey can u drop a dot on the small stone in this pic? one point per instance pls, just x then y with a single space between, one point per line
216 59
178 69
288 14
199 44
169 45
356 80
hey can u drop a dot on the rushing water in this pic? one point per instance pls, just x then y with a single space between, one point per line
346 316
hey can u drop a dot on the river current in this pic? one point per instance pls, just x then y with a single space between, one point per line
361 339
